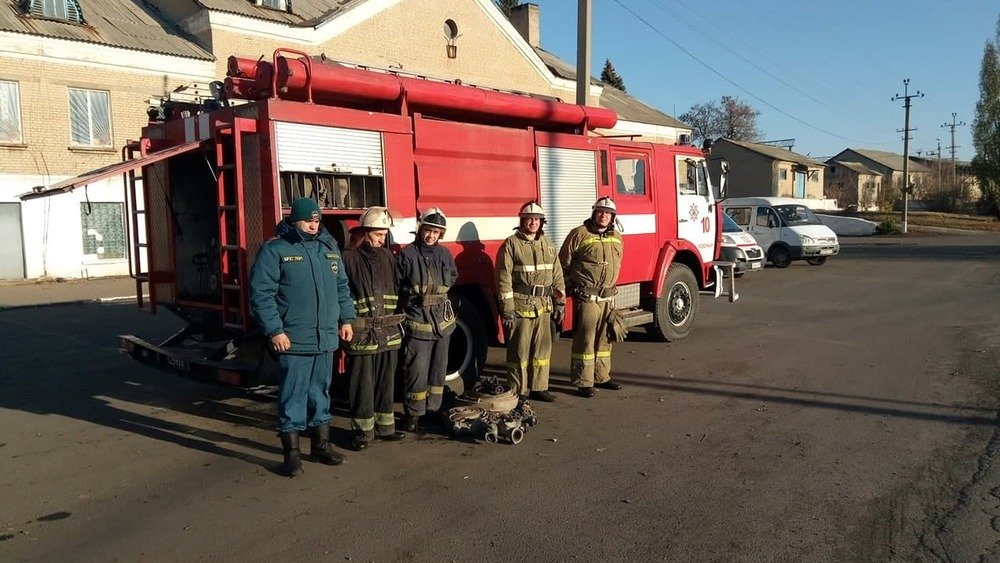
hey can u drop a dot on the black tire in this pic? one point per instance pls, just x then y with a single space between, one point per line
818 261
677 309
780 256
467 349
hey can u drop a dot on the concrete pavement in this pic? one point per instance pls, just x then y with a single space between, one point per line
32 293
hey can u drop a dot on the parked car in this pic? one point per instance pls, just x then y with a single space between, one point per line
785 228
740 247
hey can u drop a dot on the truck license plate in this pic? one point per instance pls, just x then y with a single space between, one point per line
754 265
826 251
177 363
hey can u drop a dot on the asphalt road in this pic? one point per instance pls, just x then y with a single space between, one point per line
841 412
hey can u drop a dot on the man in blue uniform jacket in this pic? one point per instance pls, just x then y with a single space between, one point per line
300 299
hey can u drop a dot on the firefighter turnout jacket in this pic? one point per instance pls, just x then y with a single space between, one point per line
529 277
372 275
425 275
591 261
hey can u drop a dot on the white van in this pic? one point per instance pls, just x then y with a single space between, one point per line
785 228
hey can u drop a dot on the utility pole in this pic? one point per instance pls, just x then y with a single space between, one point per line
953 146
582 51
906 97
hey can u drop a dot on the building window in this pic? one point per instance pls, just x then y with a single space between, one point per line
63 10
814 176
90 118
782 174
103 231
10 113
833 170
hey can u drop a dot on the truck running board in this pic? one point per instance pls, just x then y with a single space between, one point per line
637 317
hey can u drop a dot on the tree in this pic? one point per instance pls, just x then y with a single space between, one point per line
729 118
986 127
611 77
506 6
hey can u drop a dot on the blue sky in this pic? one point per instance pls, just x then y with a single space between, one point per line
832 67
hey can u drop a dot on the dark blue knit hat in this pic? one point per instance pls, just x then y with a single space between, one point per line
304 209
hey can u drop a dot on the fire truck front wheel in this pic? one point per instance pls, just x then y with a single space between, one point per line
677 307
467 349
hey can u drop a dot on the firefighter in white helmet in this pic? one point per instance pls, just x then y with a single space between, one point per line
591 258
426 271
532 295
378 330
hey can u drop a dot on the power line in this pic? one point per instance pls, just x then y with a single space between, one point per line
782 81
729 80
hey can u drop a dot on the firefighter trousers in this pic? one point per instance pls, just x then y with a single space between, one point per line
371 393
304 390
590 358
529 349
424 363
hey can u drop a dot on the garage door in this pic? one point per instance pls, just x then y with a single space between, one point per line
12 251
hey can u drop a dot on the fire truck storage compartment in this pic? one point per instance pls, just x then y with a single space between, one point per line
193 212
339 168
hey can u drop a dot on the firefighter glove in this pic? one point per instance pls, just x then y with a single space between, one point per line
558 315
508 322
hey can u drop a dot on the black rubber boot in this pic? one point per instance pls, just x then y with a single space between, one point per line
292 466
321 451
410 423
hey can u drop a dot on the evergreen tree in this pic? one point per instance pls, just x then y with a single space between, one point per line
986 128
506 6
611 77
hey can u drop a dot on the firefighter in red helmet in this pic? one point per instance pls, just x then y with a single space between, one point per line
591 258
532 295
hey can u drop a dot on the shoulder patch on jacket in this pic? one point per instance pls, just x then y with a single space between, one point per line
292 258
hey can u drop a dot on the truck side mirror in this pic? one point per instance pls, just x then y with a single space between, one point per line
723 178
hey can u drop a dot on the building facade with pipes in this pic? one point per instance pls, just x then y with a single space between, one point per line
74 86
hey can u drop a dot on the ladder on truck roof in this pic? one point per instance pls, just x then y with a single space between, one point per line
233 275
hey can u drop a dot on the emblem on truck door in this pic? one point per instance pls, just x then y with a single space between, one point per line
693 212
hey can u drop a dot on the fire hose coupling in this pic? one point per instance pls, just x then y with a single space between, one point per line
497 416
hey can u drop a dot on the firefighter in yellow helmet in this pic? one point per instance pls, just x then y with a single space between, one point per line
378 330
591 258
532 295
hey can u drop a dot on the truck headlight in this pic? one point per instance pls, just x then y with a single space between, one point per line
808 240
726 239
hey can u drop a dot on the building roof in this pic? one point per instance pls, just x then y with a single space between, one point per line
854 166
305 13
888 159
129 24
777 153
628 108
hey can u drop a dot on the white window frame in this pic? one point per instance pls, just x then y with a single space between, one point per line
90 125
11 104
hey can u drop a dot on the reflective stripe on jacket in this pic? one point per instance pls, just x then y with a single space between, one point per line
590 259
425 274
529 276
372 274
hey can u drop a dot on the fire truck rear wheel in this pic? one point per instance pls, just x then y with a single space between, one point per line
677 308
467 349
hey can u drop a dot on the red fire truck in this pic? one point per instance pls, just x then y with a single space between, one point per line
207 184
